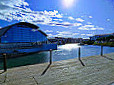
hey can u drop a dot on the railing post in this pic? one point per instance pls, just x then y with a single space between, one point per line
4 62
50 56
101 50
79 53
49 63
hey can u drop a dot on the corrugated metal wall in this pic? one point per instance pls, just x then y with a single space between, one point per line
22 34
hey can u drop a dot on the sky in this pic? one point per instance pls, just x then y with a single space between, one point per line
61 18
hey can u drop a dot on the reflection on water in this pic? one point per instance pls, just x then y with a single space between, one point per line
64 52
26 60
68 47
70 51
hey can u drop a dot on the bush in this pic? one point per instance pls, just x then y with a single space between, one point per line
105 44
88 42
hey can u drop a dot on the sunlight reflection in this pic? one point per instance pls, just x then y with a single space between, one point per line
68 47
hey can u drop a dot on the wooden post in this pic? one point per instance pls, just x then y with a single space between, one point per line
49 63
101 50
4 62
50 56
79 54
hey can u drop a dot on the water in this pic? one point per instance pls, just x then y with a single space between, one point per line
64 52
70 51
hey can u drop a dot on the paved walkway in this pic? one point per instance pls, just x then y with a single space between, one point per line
98 71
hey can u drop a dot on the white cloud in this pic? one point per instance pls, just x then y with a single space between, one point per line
59 16
93 28
54 13
63 34
90 17
58 19
48 31
97 28
64 24
75 34
71 18
51 13
100 28
79 20
50 35
66 34
83 34
90 27
89 23
18 10
68 24
77 24
108 19
82 28
89 34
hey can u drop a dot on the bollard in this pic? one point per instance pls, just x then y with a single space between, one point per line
101 50
4 62
49 63
50 56
79 53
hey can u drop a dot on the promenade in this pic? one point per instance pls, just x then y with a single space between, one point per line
98 70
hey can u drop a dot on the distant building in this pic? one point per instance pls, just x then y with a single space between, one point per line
100 36
62 40
75 40
23 37
58 40
86 39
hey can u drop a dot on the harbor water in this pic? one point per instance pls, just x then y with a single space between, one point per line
64 52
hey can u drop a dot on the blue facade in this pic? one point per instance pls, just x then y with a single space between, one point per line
22 34
38 48
23 38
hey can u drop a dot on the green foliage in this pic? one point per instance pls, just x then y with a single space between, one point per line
88 42
106 38
105 44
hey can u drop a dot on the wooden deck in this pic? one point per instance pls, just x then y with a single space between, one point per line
97 71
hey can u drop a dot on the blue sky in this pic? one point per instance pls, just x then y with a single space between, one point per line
62 18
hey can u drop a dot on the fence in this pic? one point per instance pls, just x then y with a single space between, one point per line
79 57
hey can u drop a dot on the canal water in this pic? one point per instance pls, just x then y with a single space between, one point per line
64 52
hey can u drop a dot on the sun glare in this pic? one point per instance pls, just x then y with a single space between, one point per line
68 3
68 47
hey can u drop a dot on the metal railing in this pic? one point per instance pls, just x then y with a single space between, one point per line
50 62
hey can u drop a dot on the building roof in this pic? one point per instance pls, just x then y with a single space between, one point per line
5 29
42 32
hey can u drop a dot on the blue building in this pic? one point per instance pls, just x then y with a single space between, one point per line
24 37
